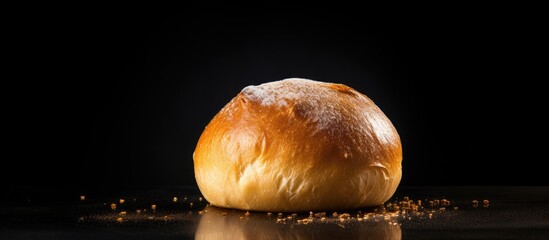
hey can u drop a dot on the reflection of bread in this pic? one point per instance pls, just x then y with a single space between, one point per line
298 145
214 225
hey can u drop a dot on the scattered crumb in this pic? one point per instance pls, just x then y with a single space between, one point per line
393 212
475 203
344 216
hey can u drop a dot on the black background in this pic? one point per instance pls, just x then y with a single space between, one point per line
100 99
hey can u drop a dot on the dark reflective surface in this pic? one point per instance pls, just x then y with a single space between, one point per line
512 213
215 225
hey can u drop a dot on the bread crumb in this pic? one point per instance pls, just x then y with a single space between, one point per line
475 203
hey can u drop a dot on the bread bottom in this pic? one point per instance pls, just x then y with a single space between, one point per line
263 187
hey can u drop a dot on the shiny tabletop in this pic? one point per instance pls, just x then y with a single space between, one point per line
181 213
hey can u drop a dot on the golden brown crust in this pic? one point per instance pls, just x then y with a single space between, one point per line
296 145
